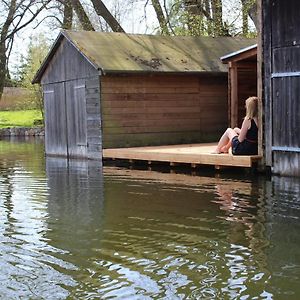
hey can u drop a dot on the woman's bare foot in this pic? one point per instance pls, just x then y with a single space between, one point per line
224 149
216 151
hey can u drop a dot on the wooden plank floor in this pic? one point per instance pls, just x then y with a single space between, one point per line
194 154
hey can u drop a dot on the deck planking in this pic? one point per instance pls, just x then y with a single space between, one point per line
194 154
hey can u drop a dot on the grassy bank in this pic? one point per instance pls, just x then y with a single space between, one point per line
21 118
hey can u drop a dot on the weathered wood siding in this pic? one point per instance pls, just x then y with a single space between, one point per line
73 120
67 64
93 118
142 110
282 85
56 142
72 105
76 118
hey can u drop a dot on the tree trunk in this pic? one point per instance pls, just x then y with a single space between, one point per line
68 15
3 37
208 17
251 9
82 16
103 12
245 18
160 17
3 62
217 17
196 16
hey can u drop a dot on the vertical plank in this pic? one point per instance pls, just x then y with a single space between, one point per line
67 64
234 94
76 118
260 91
93 116
266 28
55 113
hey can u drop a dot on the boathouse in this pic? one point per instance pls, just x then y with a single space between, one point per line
112 90
281 81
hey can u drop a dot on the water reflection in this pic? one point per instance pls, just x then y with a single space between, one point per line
76 213
72 230
199 244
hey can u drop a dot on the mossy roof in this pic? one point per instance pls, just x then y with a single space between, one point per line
127 53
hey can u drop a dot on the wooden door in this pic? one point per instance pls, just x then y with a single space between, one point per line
76 118
55 122
282 60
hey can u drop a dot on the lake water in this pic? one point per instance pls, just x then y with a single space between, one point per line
72 230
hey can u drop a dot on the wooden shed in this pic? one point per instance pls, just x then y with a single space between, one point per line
110 90
281 82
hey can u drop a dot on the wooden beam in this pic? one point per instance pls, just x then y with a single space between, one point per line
234 95
266 29
260 80
245 55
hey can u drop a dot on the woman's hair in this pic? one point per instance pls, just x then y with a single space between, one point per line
251 107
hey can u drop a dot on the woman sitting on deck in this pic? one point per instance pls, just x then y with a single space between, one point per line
242 140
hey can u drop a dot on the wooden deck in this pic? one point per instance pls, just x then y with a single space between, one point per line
194 154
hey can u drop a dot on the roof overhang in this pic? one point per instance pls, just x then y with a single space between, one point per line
241 54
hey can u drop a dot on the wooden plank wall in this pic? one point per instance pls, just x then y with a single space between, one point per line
73 120
283 97
76 118
267 82
72 109
55 121
141 110
67 64
247 87
93 118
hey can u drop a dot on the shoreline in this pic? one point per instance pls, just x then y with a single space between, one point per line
22 131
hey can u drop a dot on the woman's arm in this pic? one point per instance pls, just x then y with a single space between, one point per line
245 126
237 130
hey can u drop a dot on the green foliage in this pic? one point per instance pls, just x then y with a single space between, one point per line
37 51
21 118
208 18
192 18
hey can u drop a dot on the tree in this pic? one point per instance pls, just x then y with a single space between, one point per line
206 17
82 16
68 15
217 16
103 12
249 8
37 51
15 16
163 23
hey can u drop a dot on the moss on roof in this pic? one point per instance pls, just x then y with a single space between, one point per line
120 52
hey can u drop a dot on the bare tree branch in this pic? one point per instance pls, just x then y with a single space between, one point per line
68 15
160 17
103 12
82 16
16 29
